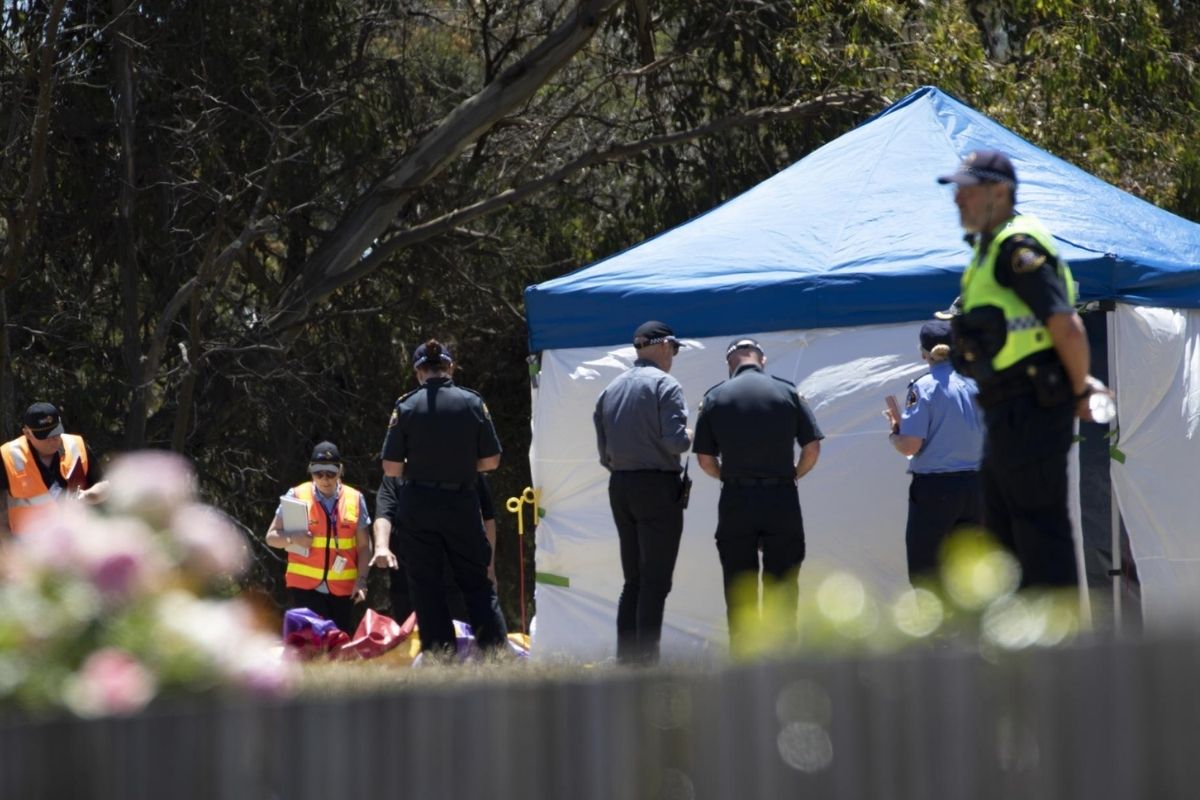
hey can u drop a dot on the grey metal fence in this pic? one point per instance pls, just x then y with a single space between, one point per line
1098 720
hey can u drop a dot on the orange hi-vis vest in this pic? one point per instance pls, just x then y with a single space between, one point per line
332 536
27 493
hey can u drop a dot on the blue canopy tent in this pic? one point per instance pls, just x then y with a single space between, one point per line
832 263
858 232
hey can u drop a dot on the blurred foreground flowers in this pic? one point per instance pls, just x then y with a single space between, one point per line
973 603
103 610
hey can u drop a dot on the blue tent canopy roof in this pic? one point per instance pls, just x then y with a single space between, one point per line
859 232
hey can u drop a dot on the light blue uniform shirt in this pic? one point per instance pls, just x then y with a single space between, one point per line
940 408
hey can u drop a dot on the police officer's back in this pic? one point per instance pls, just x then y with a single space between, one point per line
746 434
439 437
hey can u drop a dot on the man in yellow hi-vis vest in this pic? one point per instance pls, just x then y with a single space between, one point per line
42 465
1018 335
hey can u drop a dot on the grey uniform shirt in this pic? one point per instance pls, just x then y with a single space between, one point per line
641 421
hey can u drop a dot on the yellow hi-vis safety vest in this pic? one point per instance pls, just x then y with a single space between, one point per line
1026 334
332 536
27 493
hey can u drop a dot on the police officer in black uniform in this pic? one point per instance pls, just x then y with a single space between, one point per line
386 528
1019 337
745 437
439 438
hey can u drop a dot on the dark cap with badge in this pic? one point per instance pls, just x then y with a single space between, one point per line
325 458
43 420
744 343
432 351
654 332
935 333
982 166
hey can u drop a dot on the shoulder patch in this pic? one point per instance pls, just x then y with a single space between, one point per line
394 418
911 399
1026 259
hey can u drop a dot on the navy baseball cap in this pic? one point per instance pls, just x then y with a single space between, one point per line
43 420
982 166
422 355
935 333
744 343
653 332
325 458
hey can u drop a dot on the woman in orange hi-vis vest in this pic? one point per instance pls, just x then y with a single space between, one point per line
327 562
42 465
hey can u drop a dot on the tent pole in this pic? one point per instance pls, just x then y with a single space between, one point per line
1110 319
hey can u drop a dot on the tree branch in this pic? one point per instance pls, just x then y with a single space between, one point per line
377 209
606 155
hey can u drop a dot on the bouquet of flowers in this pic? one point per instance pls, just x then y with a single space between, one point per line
103 608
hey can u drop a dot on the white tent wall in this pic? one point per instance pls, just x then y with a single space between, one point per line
1157 379
854 503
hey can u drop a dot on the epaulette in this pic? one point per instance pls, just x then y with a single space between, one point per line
407 395
472 391
707 392
784 380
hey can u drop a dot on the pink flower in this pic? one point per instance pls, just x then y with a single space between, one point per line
211 545
122 558
150 484
111 681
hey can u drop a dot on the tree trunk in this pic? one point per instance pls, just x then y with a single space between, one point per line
131 345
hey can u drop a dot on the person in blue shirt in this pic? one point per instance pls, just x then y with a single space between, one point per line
941 431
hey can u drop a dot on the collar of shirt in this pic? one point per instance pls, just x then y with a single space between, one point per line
746 368
327 498
644 362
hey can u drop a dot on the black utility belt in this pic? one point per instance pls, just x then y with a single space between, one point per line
1043 378
758 481
443 485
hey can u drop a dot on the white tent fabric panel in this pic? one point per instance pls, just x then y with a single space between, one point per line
1157 369
854 502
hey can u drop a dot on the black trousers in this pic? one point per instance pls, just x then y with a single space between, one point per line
400 593
937 504
1025 487
340 610
437 527
645 508
750 518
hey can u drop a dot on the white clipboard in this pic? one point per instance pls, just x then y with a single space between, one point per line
295 519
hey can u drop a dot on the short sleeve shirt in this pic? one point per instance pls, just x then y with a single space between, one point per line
52 475
329 503
1024 266
439 431
940 408
753 422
